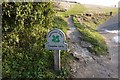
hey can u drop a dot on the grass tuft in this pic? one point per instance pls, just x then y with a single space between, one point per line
98 41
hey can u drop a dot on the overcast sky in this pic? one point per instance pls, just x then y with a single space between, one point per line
99 2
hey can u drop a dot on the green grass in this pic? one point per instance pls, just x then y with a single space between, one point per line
93 25
75 9
0 64
107 10
98 42
60 23
118 9
102 9
79 8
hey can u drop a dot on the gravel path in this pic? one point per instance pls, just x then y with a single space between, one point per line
92 66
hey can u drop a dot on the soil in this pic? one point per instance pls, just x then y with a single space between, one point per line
89 65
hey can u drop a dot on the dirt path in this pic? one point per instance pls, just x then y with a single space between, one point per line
74 36
88 65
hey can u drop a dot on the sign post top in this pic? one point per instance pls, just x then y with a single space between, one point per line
57 31
56 40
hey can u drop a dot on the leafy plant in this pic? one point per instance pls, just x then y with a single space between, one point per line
25 26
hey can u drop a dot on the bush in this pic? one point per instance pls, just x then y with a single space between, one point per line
24 28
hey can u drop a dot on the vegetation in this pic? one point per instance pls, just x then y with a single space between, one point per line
87 26
0 42
91 23
59 22
93 37
24 28
114 10
95 22
73 10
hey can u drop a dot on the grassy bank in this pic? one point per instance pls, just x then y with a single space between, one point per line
91 22
60 23
73 10
91 36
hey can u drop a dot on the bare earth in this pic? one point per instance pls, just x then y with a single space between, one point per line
91 66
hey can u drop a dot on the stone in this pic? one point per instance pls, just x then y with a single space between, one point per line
86 44
109 58
77 59
95 22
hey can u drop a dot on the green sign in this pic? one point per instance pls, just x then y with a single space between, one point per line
55 38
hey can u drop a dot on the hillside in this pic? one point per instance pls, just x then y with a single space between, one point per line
24 30
86 44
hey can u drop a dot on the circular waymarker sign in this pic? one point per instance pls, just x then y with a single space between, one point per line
56 40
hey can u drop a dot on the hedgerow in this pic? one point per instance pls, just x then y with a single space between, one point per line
24 27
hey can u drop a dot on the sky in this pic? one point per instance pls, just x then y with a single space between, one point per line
99 2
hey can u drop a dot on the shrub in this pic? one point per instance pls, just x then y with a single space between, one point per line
24 28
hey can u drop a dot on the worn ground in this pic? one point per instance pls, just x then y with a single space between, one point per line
87 64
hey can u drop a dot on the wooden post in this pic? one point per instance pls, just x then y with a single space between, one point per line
57 65
56 41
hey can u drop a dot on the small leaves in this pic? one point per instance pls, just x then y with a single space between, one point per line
23 38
